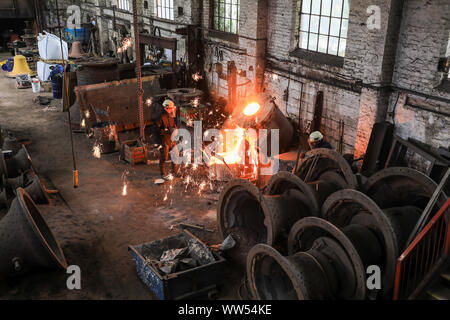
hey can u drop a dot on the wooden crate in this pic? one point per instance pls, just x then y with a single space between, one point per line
133 152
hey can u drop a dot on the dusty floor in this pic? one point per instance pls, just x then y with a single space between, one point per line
95 223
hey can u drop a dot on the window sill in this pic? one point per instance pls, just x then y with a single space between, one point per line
318 57
230 37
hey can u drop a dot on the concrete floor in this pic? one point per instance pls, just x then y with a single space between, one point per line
95 223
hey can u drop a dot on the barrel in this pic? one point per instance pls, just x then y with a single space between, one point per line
57 87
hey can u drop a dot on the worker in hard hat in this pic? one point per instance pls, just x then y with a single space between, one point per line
166 125
316 141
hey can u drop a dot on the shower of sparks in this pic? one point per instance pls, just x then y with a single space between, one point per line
87 114
124 182
111 133
196 76
83 123
97 150
148 102
195 102
201 186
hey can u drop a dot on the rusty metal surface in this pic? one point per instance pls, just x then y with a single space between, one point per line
317 161
251 217
116 100
344 206
97 74
322 264
284 181
400 186
303 237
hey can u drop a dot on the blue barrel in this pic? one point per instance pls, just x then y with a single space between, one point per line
57 87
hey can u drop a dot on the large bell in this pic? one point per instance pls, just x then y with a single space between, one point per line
26 241
36 190
322 264
11 143
17 164
4 204
20 66
76 51
251 217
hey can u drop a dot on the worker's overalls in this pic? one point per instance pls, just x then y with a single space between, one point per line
166 126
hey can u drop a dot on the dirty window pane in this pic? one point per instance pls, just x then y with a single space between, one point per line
342 44
333 45
124 4
314 26
164 9
346 10
312 42
323 43
344 28
337 8
304 40
315 7
306 6
323 25
304 22
227 13
326 7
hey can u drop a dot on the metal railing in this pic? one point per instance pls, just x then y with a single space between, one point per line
423 256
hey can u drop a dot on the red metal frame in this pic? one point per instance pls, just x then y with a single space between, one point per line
422 259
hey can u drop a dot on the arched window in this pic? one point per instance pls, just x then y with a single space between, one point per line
323 26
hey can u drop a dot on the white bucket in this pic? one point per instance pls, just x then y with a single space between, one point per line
36 85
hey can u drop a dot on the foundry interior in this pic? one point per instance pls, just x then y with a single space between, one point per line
225 149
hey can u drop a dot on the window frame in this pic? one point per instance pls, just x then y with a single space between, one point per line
128 5
314 55
214 14
164 8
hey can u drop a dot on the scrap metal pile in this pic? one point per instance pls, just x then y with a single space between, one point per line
312 233
26 241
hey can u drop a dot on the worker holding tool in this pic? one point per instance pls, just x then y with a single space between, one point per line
166 126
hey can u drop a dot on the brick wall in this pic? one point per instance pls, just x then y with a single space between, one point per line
404 51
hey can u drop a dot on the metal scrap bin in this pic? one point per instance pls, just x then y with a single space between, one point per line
178 285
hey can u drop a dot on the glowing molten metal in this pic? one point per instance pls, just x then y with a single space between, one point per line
251 109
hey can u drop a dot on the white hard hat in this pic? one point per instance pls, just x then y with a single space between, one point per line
167 102
315 136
